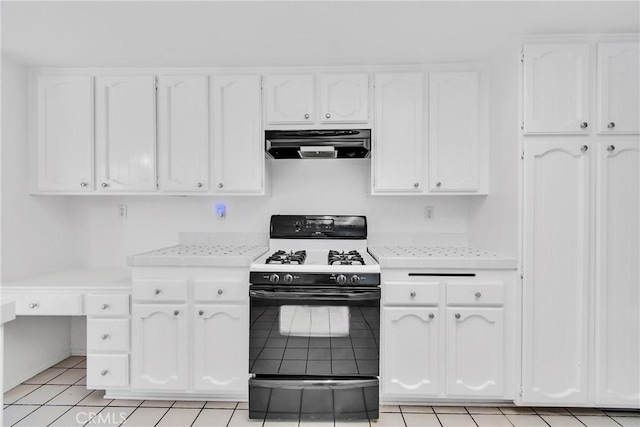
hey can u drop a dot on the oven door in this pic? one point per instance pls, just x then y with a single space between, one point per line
314 331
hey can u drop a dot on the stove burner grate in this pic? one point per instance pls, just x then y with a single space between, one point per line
282 257
342 258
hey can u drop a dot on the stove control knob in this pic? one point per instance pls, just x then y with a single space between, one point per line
288 279
274 278
355 279
341 279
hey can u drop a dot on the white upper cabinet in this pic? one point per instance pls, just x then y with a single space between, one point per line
183 133
556 88
398 136
290 98
237 134
453 131
126 133
344 98
618 89
65 134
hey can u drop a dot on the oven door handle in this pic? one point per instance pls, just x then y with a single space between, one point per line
317 384
317 296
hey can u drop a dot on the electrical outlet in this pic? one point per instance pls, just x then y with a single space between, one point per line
221 211
429 212
122 209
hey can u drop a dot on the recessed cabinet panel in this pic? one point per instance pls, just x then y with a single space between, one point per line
618 88
237 135
453 131
617 301
556 88
126 133
344 98
65 133
397 153
183 138
290 98
555 260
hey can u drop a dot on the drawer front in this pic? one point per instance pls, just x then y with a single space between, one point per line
160 290
107 335
204 290
48 304
107 305
465 293
107 370
409 293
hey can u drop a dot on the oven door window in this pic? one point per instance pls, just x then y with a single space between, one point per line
314 321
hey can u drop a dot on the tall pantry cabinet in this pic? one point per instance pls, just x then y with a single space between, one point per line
581 239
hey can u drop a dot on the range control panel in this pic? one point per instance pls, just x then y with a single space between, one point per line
335 279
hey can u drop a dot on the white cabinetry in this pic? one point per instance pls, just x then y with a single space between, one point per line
126 133
398 136
618 88
65 133
290 98
183 133
237 134
344 98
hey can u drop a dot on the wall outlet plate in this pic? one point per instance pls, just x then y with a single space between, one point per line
221 211
122 210
429 213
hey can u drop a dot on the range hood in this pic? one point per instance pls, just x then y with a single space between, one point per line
318 144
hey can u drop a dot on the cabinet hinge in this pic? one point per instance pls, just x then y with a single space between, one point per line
521 390
522 154
155 81
522 275
521 56
522 124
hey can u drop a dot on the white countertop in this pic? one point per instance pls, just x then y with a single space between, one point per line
200 256
439 257
75 278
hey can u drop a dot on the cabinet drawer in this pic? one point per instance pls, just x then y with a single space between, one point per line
107 370
107 335
220 291
160 290
475 293
107 305
405 293
48 304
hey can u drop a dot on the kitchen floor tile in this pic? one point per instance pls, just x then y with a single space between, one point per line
18 392
43 416
145 417
416 409
81 365
485 420
389 408
551 411
421 420
42 395
70 396
305 423
597 421
125 402
70 362
240 418
359 423
450 410
157 403
45 376
96 398
213 417
112 416
280 423
71 376
585 411
77 416
527 421
178 417
622 413
82 381
388 419
562 421
484 410
456 420
517 410
220 405
15 413
243 405
190 404
628 421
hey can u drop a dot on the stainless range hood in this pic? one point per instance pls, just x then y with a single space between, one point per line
318 144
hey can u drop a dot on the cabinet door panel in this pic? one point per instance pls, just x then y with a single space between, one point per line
221 348
618 275
65 133
453 131
344 98
618 88
555 262
126 133
290 98
183 139
237 132
397 154
475 352
556 88
411 372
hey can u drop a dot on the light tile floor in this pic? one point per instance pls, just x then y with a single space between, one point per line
58 397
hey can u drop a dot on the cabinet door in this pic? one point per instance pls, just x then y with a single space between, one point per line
617 297
618 88
237 135
410 359
126 133
555 263
290 98
159 347
221 348
65 133
344 98
556 88
397 153
453 131
475 352
183 138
